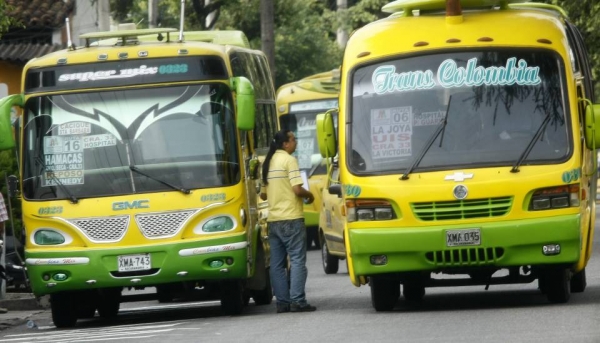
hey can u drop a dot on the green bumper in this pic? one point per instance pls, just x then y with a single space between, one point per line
175 262
503 244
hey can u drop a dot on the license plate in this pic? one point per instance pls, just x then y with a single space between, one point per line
463 237
127 263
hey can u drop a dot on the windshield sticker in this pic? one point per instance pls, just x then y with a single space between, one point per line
449 74
63 161
429 118
391 132
306 143
74 128
97 141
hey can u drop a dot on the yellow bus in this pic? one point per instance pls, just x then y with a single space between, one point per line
137 162
467 148
298 103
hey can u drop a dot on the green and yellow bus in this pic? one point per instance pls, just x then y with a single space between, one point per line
298 104
137 158
467 147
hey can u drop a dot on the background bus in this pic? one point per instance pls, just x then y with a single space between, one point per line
298 103
137 169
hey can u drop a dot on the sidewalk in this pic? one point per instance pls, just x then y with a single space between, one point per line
20 307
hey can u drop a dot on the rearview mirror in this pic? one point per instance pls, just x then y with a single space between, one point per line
13 186
245 103
7 139
335 189
592 126
326 134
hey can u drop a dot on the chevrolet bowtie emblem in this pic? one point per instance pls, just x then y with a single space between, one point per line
458 177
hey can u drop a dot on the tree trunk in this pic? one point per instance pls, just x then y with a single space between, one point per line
342 34
267 32
152 13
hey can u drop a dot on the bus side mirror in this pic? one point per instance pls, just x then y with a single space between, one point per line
592 126
245 103
335 189
326 134
7 139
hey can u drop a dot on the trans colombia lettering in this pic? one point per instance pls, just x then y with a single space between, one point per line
386 80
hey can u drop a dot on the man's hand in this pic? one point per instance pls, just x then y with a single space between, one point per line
309 199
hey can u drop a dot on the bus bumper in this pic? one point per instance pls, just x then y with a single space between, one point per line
503 244
173 262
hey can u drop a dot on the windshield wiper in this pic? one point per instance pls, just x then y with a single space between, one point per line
181 189
50 173
529 147
429 143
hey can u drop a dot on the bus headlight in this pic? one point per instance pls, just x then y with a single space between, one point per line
218 224
555 197
48 237
367 210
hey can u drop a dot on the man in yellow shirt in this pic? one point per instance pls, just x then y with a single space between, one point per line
282 186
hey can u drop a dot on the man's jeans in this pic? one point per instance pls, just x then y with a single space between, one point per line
288 237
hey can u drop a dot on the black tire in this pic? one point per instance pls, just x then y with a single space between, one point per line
265 295
558 285
109 303
330 262
232 298
413 291
64 310
384 293
578 282
164 294
311 237
86 304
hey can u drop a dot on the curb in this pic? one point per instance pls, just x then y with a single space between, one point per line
24 302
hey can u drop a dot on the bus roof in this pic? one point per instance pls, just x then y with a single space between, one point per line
326 82
150 43
516 25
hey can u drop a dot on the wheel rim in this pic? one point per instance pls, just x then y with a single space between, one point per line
324 254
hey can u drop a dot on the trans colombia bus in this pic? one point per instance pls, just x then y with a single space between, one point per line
467 148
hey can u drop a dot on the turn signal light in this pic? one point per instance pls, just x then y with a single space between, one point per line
369 210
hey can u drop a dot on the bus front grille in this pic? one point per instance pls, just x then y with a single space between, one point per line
102 229
475 256
161 225
462 209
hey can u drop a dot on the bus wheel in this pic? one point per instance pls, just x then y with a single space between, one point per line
384 293
86 304
232 297
64 310
330 262
265 295
558 285
413 291
578 282
109 302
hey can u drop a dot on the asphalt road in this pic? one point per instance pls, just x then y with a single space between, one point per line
515 313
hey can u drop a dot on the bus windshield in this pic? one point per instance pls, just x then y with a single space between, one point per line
496 103
301 121
119 142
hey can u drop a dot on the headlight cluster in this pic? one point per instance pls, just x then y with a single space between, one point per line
369 210
218 224
48 237
555 197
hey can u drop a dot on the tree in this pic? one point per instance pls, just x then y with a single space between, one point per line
7 22
169 12
267 31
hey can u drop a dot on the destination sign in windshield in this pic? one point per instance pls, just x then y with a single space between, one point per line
125 73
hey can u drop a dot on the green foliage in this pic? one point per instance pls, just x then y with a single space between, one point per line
6 22
304 35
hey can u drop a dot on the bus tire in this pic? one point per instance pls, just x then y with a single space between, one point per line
558 285
413 291
330 262
109 303
64 310
232 297
265 295
578 282
384 293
